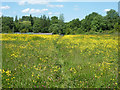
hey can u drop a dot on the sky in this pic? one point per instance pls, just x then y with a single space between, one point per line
71 10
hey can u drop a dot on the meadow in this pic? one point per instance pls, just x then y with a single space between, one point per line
54 61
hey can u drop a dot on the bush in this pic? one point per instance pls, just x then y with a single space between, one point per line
100 31
91 32
80 31
86 33
24 31
10 31
54 28
111 31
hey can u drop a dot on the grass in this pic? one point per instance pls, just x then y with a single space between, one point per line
53 61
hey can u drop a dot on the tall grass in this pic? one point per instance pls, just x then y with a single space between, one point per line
49 61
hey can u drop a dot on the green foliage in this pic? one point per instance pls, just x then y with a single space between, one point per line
54 28
117 27
25 18
7 24
61 17
80 31
25 25
16 20
93 23
54 20
36 28
24 30
111 31
111 17
41 24
68 31
92 32
5 29
31 20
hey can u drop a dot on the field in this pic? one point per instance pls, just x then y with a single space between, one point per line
49 61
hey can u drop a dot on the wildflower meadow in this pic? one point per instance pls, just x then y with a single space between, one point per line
54 61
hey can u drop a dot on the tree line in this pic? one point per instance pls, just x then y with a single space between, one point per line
92 23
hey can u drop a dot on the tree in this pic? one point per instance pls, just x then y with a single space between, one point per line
111 18
86 23
37 26
112 15
80 31
54 28
5 29
0 24
31 20
54 20
96 23
117 27
61 24
48 22
16 20
68 31
61 18
92 23
7 24
25 25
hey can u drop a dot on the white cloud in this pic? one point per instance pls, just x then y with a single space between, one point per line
51 13
35 11
106 10
57 13
4 7
26 10
22 2
76 8
61 0
27 15
55 5
37 2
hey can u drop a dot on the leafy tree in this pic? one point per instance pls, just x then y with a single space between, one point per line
7 24
25 18
61 18
96 23
111 18
48 22
55 29
0 24
86 23
74 23
37 26
68 31
93 23
54 20
117 27
61 24
25 25
16 20
31 20
80 31
5 29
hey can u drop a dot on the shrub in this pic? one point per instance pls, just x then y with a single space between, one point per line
24 31
111 31
91 32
